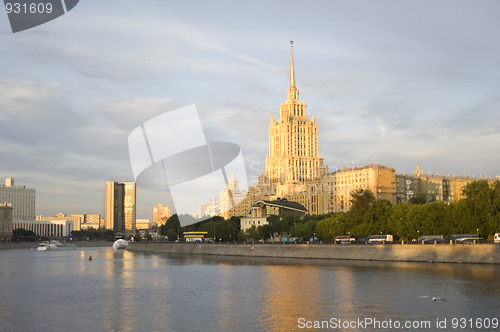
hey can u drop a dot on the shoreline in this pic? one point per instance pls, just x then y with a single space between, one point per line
34 245
428 253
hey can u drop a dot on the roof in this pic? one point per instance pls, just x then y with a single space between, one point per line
284 204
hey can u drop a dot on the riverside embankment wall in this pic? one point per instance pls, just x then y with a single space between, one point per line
437 253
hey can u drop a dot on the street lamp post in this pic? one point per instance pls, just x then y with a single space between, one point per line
418 236
477 236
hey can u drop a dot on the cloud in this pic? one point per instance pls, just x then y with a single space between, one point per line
383 86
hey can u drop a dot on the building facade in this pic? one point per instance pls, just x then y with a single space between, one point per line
21 198
293 155
294 171
161 214
80 220
120 207
129 206
42 228
6 212
259 212
427 187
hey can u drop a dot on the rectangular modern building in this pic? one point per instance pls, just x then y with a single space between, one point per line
120 207
21 198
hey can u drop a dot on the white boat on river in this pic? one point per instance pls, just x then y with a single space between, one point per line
120 244
55 245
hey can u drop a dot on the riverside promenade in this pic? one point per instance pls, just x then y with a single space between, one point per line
430 253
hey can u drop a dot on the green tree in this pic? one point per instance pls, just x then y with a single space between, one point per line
361 200
375 219
252 234
305 230
241 236
433 215
170 223
481 206
418 199
171 235
23 235
401 225
264 231
333 225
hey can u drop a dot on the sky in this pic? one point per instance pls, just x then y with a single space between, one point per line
399 83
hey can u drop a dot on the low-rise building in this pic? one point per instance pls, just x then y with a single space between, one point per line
260 210
47 228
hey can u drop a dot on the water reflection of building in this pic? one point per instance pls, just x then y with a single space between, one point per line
119 271
288 296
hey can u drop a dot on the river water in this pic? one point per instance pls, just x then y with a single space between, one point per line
125 291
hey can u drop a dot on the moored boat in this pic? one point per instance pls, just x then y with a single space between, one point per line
55 245
120 244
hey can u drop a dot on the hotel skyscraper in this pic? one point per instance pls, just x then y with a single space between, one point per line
293 143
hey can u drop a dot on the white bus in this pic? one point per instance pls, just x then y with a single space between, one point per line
497 238
381 238
343 240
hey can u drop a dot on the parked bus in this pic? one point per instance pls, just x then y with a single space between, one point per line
343 239
466 238
195 237
431 239
381 238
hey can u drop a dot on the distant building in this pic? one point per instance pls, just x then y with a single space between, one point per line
143 224
6 211
92 220
295 171
161 214
21 198
431 187
207 209
120 207
259 212
378 179
80 220
231 196
43 228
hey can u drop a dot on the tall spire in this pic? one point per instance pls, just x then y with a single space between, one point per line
292 93
292 71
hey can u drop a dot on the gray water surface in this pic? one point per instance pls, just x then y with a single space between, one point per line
125 291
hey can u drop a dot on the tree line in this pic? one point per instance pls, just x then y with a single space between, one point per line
477 212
